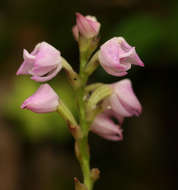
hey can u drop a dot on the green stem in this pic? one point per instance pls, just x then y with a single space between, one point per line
93 64
72 75
82 143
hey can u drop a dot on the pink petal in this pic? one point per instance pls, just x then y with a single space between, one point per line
50 75
126 97
42 101
27 64
118 107
109 53
75 32
129 53
47 56
87 26
114 72
106 128
40 71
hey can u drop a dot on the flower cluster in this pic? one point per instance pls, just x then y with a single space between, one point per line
115 56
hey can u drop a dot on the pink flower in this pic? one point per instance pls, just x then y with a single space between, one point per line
86 26
105 127
44 100
123 100
43 63
116 56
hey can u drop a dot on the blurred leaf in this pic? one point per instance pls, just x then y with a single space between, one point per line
38 126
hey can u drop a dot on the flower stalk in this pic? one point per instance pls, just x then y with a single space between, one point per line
82 143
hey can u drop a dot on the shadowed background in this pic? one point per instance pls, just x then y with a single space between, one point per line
36 151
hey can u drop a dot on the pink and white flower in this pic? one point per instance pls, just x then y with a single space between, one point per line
43 63
116 56
87 26
44 100
105 127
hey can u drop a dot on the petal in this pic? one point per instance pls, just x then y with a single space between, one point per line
27 56
49 76
124 47
132 58
75 32
36 49
118 107
42 101
114 72
95 26
106 105
106 128
128 52
47 55
43 70
87 26
109 53
127 98
27 64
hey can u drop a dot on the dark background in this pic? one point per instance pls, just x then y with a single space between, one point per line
36 151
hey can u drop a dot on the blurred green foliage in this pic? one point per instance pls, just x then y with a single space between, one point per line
143 31
38 126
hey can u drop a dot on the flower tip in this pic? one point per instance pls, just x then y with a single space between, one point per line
24 51
75 32
23 106
18 72
27 56
78 14
141 64
80 18
139 111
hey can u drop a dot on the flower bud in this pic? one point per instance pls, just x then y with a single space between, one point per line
116 56
43 63
123 100
87 26
105 127
44 100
